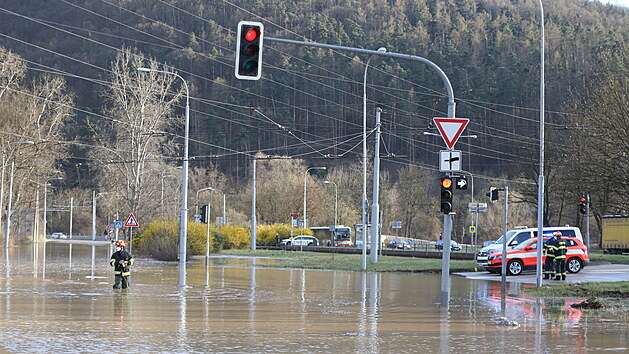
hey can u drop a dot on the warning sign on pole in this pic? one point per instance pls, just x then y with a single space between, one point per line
131 221
451 129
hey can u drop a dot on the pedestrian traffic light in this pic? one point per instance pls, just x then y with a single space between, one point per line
249 50
446 195
583 205
492 194
204 214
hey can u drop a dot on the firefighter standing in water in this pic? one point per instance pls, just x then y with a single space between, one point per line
549 264
121 260
560 257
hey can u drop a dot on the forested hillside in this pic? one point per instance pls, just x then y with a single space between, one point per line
308 104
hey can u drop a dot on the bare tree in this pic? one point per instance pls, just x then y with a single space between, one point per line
133 142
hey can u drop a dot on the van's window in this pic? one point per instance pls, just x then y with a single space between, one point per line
549 233
526 244
568 233
521 237
509 234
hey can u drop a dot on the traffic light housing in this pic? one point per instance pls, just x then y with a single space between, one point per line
492 194
583 205
204 214
446 195
249 50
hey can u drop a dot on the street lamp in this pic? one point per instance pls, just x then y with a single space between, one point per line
364 201
224 199
199 191
540 182
336 200
183 219
2 178
46 184
305 179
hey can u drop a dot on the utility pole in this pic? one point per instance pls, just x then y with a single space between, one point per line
375 207
503 279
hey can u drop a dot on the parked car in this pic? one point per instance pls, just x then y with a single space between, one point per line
453 245
487 243
524 256
399 244
303 240
59 235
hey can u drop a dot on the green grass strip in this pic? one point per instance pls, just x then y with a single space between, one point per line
317 260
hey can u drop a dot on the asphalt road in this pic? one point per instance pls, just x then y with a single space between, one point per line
594 273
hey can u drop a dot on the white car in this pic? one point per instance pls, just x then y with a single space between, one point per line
59 235
303 240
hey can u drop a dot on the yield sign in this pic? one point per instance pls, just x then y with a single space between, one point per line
131 221
451 129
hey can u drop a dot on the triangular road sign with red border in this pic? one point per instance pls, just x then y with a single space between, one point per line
451 129
131 221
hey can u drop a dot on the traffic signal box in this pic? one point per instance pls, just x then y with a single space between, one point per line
249 50
446 195
204 214
583 205
493 194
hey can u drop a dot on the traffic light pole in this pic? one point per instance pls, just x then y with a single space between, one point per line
445 264
253 207
207 235
447 220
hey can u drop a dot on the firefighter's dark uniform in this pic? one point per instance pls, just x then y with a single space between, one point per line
560 259
121 260
549 264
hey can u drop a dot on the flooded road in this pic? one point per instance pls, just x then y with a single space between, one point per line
58 297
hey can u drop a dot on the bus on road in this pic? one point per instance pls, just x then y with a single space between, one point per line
333 235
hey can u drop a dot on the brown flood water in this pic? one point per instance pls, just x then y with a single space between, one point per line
58 298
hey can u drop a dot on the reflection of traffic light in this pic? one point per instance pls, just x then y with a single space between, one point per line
446 195
204 214
249 50
492 194
583 205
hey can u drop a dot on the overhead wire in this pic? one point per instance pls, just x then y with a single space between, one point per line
219 103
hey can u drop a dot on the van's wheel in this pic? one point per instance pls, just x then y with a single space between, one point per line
288 243
515 267
574 265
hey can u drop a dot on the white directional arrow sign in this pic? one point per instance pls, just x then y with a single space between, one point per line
451 129
461 183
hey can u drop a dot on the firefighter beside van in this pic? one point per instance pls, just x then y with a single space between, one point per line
560 256
549 264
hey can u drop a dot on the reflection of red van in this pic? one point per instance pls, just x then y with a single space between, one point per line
527 308
524 256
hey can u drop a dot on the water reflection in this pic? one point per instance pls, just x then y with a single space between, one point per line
235 304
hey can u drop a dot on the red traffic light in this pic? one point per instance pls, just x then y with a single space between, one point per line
582 199
251 34
446 183
249 50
